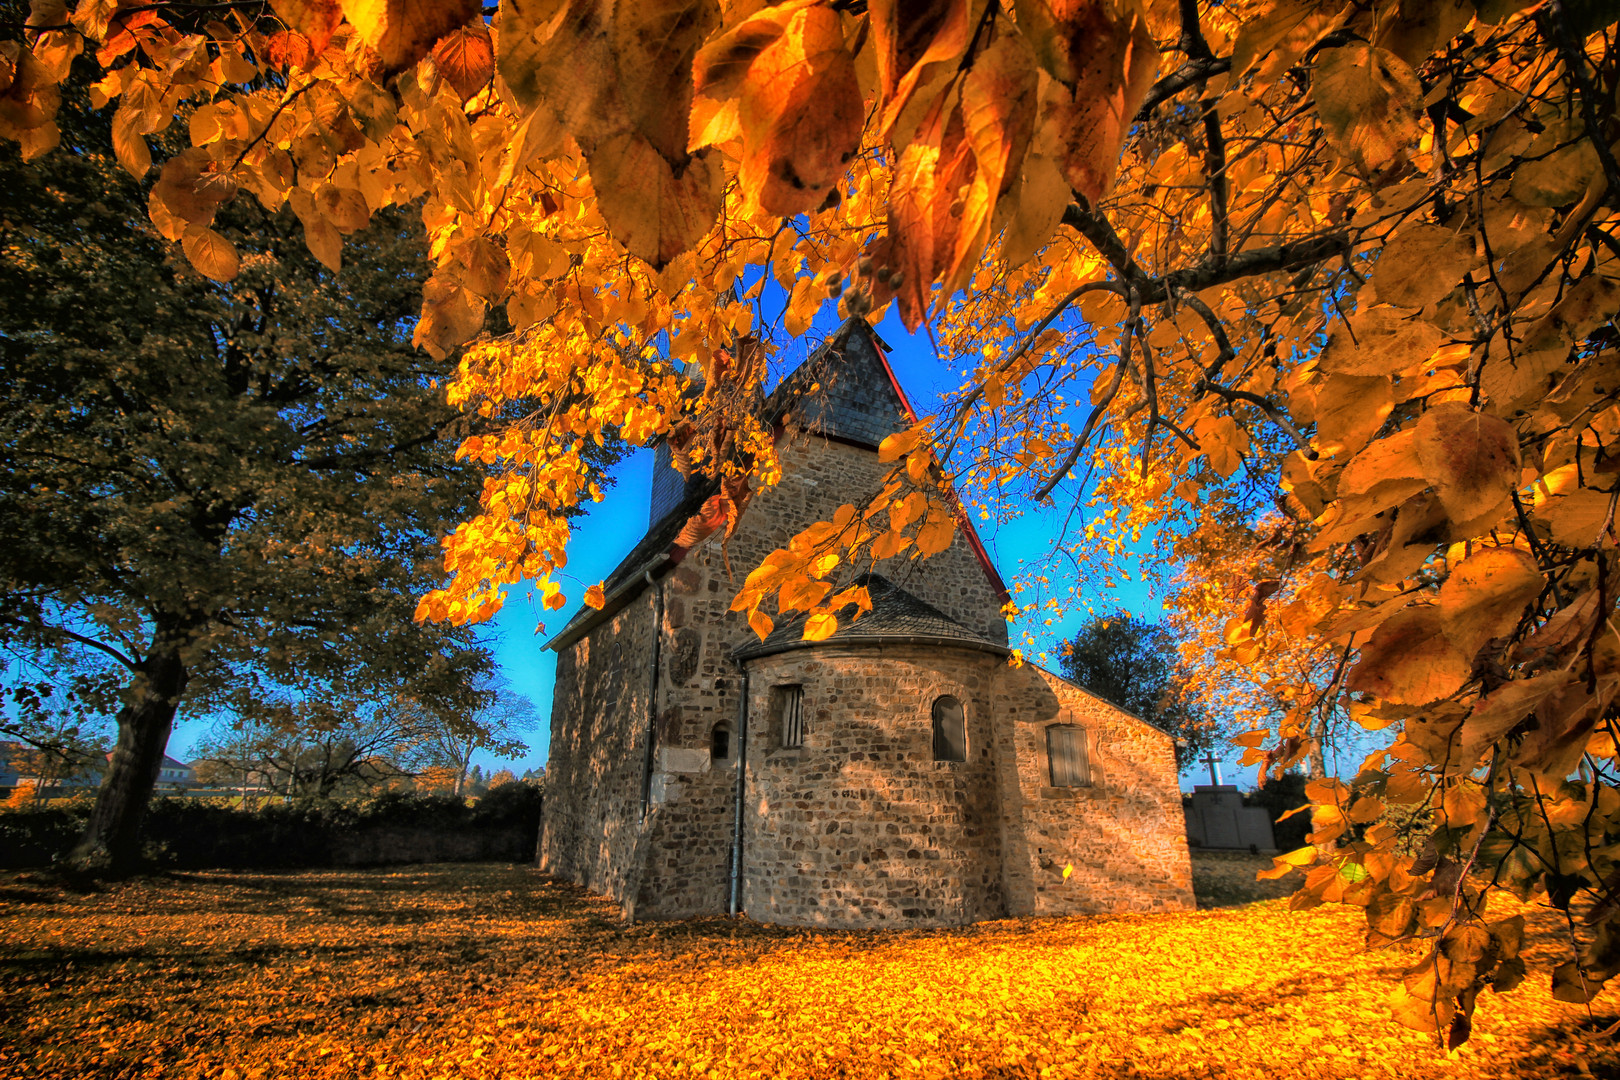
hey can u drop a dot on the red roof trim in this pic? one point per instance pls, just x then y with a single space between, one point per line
962 520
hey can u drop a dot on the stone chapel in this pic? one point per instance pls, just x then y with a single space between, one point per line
899 773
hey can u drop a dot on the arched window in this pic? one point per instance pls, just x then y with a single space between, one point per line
1066 755
950 730
720 743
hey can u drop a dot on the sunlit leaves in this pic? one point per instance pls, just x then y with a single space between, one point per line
1365 251
798 110
401 32
466 58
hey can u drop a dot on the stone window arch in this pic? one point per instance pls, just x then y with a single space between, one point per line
1067 763
950 729
720 742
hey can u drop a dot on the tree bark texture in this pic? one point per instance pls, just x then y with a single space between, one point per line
111 842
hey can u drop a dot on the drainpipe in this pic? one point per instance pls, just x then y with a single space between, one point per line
652 695
742 789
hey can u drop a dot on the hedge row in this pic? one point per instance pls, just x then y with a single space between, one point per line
393 827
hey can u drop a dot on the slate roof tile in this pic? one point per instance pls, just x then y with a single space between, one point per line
896 617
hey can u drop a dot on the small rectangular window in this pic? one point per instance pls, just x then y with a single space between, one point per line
788 710
1066 751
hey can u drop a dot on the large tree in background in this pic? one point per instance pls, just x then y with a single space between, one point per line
220 489
500 720
1134 664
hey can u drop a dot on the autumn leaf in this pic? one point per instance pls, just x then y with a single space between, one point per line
998 95
1351 409
936 533
1042 198
1472 459
1379 340
820 625
1485 595
1102 60
799 108
1368 100
1409 660
595 597
129 128
1421 265
315 20
401 32
466 58
656 211
212 254
912 44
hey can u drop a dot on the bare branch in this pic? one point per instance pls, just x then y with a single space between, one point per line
1100 408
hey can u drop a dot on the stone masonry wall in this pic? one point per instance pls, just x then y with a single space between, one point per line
820 475
1124 834
591 832
862 827
690 824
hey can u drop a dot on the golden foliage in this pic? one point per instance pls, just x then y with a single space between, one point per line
484 971
1361 258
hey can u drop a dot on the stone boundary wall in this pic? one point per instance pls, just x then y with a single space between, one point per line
1124 835
862 827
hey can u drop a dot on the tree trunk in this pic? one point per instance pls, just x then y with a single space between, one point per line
1317 754
110 844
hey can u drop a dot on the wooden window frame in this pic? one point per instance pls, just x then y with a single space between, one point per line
787 715
1084 777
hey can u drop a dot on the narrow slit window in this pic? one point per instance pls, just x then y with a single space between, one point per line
790 716
1066 752
950 730
720 743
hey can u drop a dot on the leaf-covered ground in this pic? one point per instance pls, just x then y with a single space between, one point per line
490 971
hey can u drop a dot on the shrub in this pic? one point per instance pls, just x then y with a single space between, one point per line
199 833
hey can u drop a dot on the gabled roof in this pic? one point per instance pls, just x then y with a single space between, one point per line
858 400
897 618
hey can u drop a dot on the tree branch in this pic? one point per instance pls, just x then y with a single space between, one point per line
1276 415
1552 21
1193 71
1097 410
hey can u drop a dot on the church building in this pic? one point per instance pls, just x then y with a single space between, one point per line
898 773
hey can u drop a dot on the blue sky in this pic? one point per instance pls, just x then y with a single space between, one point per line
612 528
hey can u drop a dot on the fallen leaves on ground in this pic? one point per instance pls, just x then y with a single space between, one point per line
493 971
